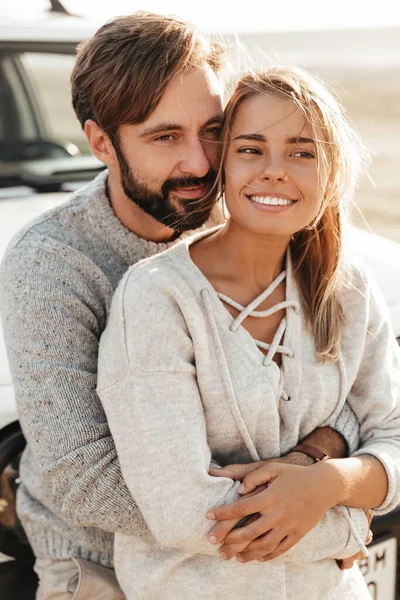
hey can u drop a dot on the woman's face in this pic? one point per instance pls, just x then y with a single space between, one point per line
271 173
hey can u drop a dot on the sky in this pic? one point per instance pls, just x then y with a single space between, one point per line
238 15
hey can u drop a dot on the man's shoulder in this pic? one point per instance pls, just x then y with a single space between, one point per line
68 228
57 225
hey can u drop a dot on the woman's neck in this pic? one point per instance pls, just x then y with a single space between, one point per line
253 259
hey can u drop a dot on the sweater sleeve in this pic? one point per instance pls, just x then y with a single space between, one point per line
53 307
341 533
347 425
375 394
147 383
148 386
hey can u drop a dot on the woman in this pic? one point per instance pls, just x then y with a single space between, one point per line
233 346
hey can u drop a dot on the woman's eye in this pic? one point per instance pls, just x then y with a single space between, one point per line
249 151
303 154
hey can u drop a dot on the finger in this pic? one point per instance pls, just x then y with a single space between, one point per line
236 472
251 531
228 551
239 509
369 539
369 516
264 545
346 563
285 545
219 532
265 474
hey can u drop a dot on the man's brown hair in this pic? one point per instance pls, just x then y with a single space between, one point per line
123 70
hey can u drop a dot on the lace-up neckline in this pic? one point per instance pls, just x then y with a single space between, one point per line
250 311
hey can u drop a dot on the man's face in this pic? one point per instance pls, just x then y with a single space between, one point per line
168 163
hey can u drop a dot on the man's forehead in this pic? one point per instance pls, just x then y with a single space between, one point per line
191 100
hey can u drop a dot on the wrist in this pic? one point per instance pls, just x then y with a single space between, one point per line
314 452
298 458
332 481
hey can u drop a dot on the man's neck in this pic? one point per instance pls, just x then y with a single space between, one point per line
134 218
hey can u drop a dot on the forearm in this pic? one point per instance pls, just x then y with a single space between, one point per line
337 440
359 481
156 463
325 439
92 492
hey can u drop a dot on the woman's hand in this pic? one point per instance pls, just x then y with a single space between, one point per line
238 472
294 502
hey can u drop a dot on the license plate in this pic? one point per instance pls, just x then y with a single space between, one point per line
380 568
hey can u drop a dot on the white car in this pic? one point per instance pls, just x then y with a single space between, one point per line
39 151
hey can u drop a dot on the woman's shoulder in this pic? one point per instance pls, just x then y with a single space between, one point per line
360 290
160 278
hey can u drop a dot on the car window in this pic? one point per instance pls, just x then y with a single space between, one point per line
50 75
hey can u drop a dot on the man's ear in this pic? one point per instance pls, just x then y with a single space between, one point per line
99 142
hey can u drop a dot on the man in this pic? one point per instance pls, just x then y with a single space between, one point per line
147 92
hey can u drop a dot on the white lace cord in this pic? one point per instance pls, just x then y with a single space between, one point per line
281 349
259 313
249 309
275 343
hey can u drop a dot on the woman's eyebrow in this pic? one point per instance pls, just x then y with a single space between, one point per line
258 137
300 140
251 136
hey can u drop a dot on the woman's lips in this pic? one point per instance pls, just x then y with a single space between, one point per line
274 204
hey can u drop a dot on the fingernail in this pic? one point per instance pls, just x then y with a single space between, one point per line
212 539
240 559
210 515
261 559
241 489
223 555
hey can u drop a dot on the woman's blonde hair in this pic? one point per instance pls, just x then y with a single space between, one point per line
317 249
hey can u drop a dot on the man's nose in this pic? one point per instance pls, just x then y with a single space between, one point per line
195 161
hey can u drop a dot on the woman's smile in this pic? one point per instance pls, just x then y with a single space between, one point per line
271 203
272 183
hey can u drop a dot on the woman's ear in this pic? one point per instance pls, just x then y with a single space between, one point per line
100 143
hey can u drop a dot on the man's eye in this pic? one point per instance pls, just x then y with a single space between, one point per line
213 132
164 138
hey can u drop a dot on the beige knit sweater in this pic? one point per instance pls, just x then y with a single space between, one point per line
183 384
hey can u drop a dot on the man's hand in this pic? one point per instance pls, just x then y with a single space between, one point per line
294 502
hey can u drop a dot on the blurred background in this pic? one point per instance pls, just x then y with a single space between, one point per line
353 45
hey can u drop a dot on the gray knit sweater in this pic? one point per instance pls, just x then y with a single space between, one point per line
184 384
57 280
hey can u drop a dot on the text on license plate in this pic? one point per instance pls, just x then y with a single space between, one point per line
379 569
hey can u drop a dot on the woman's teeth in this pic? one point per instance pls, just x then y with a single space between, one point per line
271 201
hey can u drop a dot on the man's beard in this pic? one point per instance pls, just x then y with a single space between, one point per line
174 212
